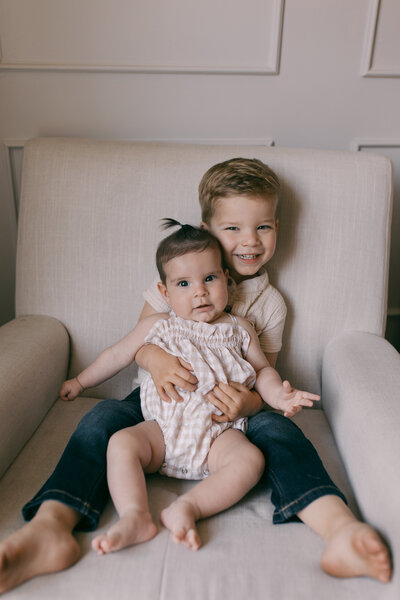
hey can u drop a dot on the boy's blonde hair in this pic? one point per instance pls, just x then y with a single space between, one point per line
236 177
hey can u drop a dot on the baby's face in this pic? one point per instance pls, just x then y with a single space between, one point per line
196 285
246 228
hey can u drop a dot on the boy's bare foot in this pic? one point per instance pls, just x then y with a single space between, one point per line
355 550
180 519
134 527
42 546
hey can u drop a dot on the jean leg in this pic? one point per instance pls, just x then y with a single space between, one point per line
293 467
80 477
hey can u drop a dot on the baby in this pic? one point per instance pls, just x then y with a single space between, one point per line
181 439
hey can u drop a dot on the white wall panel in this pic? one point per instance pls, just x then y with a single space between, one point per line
197 71
381 56
142 35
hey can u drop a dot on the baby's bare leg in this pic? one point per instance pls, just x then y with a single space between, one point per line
352 548
235 467
131 453
44 545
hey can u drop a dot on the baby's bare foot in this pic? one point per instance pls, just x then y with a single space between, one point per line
180 519
42 546
134 527
356 550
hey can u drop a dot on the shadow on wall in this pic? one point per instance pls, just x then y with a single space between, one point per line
393 331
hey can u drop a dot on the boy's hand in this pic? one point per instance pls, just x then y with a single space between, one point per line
292 400
70 390
167 371
234 400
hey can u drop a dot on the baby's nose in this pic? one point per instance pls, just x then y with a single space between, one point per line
200 289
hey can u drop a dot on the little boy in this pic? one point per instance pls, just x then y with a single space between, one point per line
239 200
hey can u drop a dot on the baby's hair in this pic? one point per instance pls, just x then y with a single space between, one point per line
236 177
185 240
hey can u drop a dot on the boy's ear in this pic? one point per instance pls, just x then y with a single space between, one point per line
203 225
162 288
276 225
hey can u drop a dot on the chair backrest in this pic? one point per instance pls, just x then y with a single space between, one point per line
89 226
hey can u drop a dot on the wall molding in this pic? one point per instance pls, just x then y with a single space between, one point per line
14 150
15 143
359 143
264 141
271 67
367 68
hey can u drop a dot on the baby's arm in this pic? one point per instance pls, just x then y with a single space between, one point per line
277 394
112 360
167 371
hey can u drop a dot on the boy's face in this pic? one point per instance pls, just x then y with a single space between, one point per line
246 228
196 285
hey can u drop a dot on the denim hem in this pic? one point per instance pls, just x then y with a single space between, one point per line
90 516
289 512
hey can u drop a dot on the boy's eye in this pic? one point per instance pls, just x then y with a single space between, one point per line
262 227
183 283
210 278
232 228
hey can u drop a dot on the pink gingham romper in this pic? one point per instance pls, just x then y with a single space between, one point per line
216 353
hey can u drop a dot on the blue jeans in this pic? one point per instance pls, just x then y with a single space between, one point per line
293 468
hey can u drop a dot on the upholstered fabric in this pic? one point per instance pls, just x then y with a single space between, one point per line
244 556
89 225
34 358
361 385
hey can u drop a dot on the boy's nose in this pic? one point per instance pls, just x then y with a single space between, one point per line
250 239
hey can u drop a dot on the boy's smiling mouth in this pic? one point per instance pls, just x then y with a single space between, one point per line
248 257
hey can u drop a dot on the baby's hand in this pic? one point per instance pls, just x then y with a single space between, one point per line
292 400
70 389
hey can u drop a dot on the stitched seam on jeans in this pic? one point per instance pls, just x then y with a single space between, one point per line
87 507
320 487
101 475
277 485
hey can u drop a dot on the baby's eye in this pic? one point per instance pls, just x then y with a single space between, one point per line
263 227
183 283
232 228
210 278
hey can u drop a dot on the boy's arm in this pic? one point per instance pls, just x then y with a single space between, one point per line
232 400
166 370
235 400
271 358
112 360
277 394
147 311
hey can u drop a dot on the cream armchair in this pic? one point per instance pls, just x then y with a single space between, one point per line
88 229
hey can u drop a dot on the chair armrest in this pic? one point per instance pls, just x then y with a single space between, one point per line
361 399
34 354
